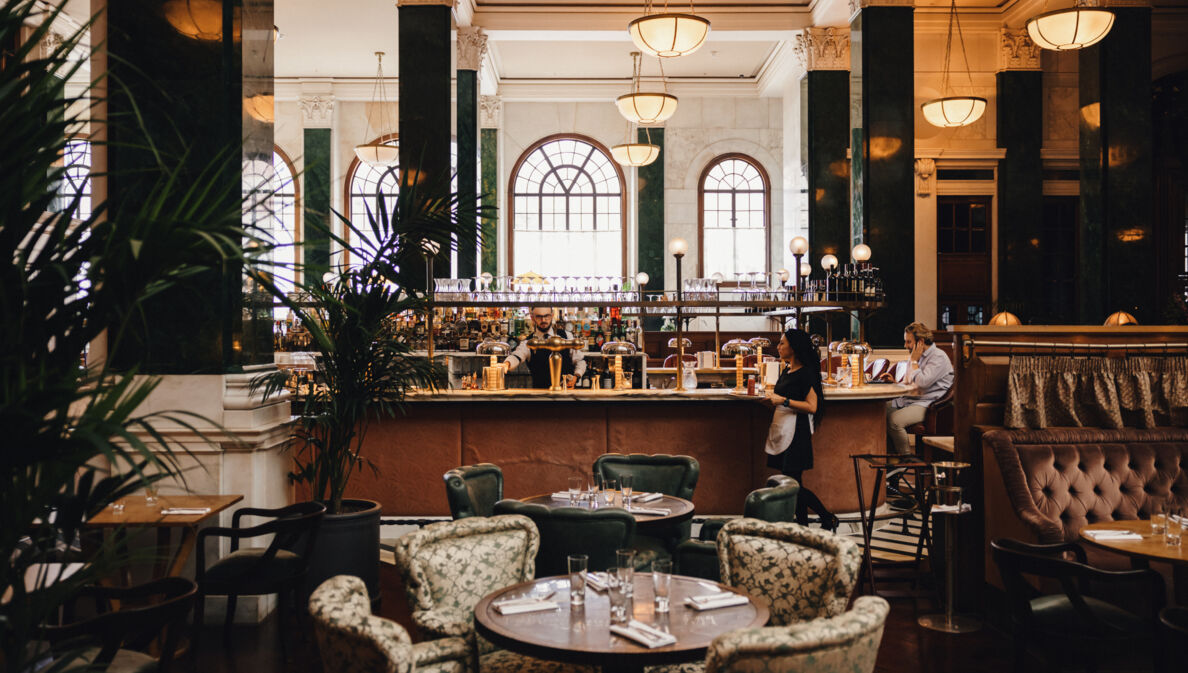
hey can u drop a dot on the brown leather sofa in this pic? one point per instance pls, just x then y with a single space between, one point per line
1045 485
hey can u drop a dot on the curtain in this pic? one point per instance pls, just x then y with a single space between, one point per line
1138 392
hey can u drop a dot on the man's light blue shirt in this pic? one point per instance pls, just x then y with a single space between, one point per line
932 378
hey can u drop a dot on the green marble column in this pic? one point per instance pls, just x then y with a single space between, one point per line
315 206
472 43
179 103
425 130
826 132
490 171
882 143
1117 243
1020 180
650 246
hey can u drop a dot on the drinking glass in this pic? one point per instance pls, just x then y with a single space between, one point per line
626 482
1174 528
150 493
575 488
577 579
625 559
661 581
617 595
1159 518
117 507
608 491
593 485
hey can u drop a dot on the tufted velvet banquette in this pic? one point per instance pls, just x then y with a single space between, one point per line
1045 485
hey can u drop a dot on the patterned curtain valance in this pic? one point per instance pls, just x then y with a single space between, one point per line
1137 392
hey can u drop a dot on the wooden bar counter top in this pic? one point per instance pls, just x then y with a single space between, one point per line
539 439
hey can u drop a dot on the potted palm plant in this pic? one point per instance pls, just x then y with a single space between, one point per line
366 369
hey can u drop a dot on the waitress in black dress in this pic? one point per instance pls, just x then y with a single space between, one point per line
799 405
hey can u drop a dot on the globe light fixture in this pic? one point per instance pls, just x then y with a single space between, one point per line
667 34
378 154
860 252
829 262
953 111
678 247
1004 319
798 245
1073 28
645 107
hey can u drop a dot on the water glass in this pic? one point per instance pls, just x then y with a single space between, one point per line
1159 518
625 559
626 484
1175 527
608 491
615 591
593 485
150 493
575 489
661 582
577 579
117 508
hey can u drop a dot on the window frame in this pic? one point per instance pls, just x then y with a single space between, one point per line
348 192
511 194
709 166
298 233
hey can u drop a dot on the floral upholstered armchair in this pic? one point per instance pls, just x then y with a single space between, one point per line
350 638
847 643
802 573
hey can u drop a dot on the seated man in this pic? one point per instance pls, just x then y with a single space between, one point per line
931 372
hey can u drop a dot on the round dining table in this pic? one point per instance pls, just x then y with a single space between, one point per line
581 635
1151 547
679 509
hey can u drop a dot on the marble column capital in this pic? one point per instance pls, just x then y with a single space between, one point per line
423 3
316 111
824 48
1017 51
925 167
490 111
472 46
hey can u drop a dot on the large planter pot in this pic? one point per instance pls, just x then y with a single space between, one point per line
348 544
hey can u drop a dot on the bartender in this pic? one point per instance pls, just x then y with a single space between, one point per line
573 362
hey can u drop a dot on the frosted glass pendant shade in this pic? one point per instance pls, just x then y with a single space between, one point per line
1072 28
669 35
953 111
635 154
378 154
645 107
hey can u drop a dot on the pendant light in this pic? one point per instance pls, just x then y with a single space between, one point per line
635 153
1073 28
378 154
953 111
646 107
668 34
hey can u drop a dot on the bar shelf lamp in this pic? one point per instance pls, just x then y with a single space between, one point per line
953 111
1078 26
668 34
860 252
740 349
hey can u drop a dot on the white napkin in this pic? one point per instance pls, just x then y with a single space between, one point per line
646 497
712 601
643 634
951 509
186 510
515 607
564 495
596 580
1113 535
650 511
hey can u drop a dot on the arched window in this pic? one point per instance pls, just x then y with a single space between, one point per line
77 180
734 193
271 193
567 210
365 182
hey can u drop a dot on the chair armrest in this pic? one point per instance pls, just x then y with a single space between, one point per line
709 529
443 623
235 534
441 650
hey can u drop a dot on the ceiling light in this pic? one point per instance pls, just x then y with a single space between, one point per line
667 34
951 111
645 107
1073 28
635 154
378 154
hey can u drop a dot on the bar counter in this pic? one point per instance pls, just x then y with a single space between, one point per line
540 438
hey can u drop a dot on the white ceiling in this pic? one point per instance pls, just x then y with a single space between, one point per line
587 60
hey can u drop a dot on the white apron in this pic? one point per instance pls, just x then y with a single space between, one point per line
783 430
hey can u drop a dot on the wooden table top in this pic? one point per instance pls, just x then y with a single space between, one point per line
679 508
139 513
583 635
1151 546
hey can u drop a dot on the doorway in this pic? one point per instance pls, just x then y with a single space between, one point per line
963 260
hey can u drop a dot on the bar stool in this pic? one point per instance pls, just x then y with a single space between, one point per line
948 495
921 473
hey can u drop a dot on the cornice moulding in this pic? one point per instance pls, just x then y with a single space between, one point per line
607 90
615 19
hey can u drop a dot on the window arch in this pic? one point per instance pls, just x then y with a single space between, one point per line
567 195
271 193
735 196
76 181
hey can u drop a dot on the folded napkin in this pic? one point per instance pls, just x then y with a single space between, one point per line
185 510
646 497
596 580
515 607
951 509
643 634
564 495
712 601
650 511
1113 535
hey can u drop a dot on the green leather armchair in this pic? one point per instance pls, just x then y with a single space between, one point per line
573 530
473 490
670 475
775 502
